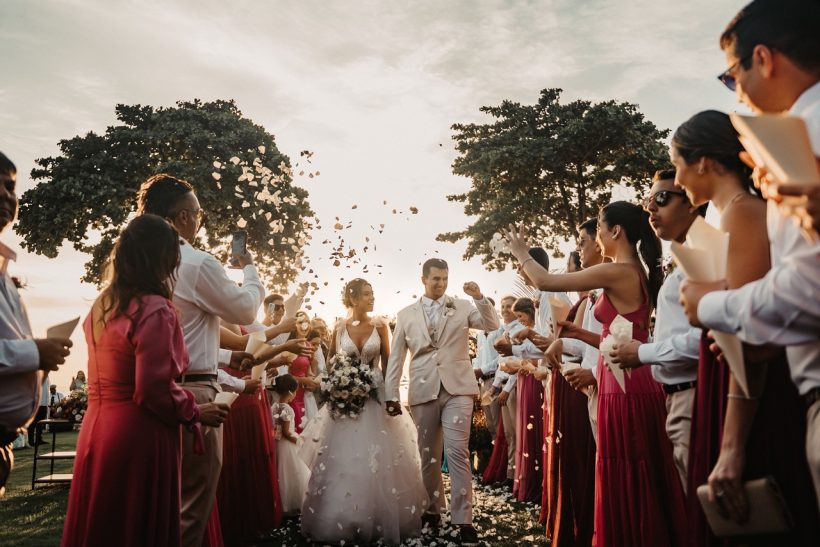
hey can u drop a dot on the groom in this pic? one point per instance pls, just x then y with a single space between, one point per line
442 387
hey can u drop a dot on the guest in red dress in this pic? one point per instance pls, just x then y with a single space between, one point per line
301 369
737 438
638 494
529 440
126 486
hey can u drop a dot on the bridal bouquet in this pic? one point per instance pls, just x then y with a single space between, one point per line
347 385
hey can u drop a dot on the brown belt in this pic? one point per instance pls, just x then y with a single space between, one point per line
185 378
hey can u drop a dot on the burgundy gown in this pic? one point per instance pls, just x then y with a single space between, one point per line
776 447
529 440
638 494
126 486
496 471
249 470
299 368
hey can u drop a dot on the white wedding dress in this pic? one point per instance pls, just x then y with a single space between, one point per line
365 481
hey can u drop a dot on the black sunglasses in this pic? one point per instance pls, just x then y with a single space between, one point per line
661 198
727 77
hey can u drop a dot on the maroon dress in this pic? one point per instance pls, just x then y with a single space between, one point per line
299 368
776 447
638 494
568 491
249 471
496 471
529 439
126 485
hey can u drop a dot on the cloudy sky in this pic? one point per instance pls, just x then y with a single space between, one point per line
371 87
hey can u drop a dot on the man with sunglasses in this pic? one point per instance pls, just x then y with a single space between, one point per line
674 353
203 294
772 48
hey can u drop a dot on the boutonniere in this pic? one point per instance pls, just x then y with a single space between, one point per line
19 282
449 307
668 266
593 296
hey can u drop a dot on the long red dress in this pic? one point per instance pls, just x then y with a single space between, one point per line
776 447
638 494
248 493
299 368
568 492
126 486
529 440
496 470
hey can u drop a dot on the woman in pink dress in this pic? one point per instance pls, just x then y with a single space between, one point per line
301 369
126 486
638 495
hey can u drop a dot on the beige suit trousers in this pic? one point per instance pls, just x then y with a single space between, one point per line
491 411
679 408
448 420
200 472
508 416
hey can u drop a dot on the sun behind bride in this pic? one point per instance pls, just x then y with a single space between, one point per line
365 479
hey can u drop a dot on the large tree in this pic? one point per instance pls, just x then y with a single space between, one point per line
87 193
550 166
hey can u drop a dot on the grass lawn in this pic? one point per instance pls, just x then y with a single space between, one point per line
35 517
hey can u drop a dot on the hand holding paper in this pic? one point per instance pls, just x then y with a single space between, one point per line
256 341
704 261
620 332
63 330
225 398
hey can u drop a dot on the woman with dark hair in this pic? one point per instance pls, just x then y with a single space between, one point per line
639 498
736 437
529 421
126 485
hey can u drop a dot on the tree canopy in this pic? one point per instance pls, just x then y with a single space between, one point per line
87 194
549 166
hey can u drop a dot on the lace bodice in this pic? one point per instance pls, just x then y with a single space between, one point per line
371 351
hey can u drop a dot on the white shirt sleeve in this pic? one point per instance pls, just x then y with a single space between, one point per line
527 350
508 387
230 383
218 295
671 350
18 357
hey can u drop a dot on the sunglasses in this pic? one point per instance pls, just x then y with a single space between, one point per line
275 307
728 76
661 198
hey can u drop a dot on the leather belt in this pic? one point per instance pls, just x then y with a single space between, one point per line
196 378
488 376
675 388
812 397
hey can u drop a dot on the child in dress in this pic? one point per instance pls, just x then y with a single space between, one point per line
293 473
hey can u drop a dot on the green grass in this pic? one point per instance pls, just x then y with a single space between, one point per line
35 517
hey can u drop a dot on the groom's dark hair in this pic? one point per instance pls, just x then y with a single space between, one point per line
540 255
431 263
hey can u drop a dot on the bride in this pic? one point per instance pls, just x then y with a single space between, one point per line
365 479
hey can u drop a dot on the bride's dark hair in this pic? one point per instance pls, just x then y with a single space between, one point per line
353 291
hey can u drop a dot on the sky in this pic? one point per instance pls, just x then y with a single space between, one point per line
371 87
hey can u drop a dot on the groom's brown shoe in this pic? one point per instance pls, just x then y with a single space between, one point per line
431 520
467 535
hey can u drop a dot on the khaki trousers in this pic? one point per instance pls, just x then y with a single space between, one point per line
508 417
491 411
813 444
679 407
200 472
448 420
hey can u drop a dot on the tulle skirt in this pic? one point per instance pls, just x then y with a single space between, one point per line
365 481
293 476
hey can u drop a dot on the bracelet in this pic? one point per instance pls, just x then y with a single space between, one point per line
740 397
530 258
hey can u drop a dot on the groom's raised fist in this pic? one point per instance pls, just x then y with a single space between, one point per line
472 289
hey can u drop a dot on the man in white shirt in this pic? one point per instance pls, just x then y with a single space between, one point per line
504 385
772 50
203 294
676 348
24 361
485 367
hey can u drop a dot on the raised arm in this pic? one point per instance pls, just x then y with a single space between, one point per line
217 294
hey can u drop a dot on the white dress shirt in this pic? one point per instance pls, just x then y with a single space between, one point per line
784 306
433 310
20 377
486 359
674 354
589 354
203 293
543 319
509 329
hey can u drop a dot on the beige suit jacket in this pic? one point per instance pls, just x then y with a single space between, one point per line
443 361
